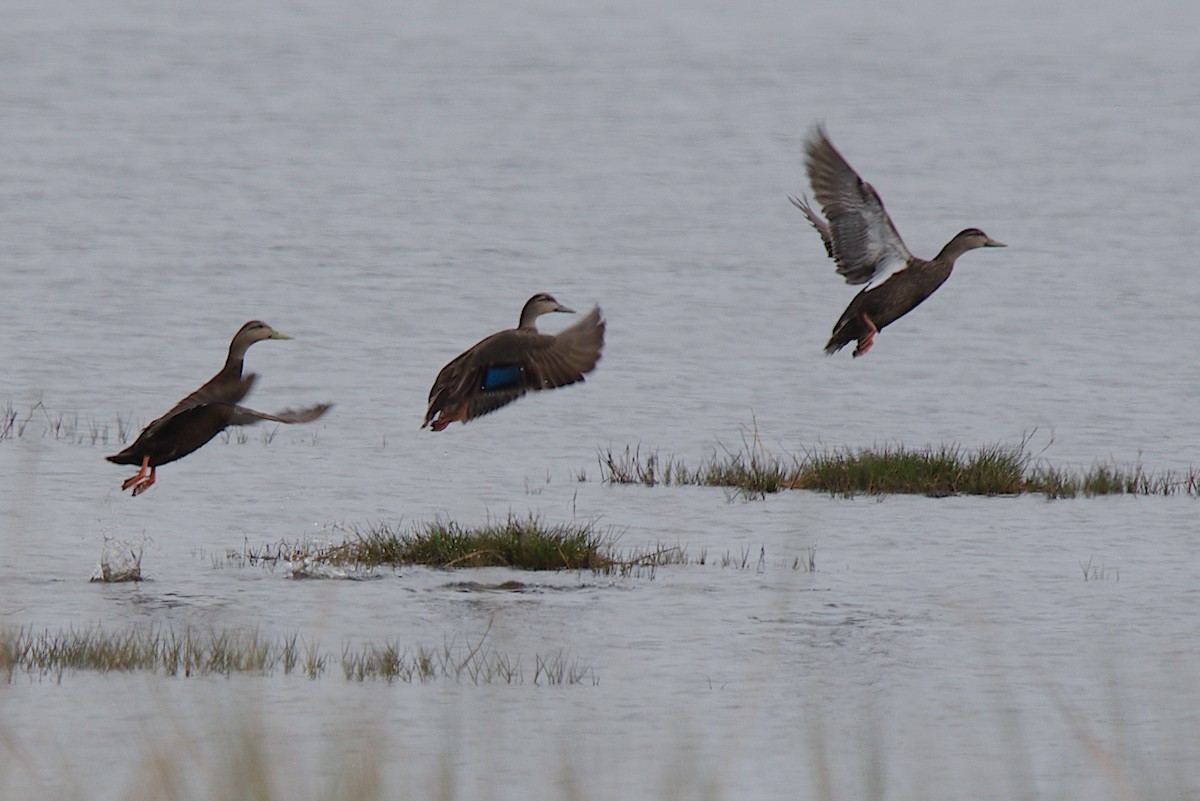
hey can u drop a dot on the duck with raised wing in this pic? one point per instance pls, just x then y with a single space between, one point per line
859 236
503 367
206 412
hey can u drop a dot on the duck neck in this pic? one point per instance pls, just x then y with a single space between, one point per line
237 355
953 249
529 317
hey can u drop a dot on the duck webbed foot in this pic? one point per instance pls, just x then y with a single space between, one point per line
145 484
134 479
865 343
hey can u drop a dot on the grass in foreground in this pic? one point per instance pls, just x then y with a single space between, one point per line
944 470
226 652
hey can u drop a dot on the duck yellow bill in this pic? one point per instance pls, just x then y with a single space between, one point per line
994 243
279 335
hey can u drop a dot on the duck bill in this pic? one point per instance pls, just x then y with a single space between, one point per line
279 335
562 308
994 243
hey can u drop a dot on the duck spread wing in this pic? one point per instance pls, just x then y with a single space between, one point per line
242 416
815 221
865 243
565 357
219 395
505 366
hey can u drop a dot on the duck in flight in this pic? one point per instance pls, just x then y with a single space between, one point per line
205 413
503 367
860 237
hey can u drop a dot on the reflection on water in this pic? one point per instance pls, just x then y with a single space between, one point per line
391 182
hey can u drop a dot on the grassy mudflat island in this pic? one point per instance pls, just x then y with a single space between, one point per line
511 542
895 469
521 543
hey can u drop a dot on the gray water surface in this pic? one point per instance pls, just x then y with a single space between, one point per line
390 183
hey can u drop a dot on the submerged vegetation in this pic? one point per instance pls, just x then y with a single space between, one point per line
891 469
225 652
63 426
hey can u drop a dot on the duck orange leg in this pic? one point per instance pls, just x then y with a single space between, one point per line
138 489
129 482
865 343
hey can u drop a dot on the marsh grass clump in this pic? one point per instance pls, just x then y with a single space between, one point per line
1111 479
750 470
1053 482
192 652
525 543
649 469
946 470
225 652
996 469
450 546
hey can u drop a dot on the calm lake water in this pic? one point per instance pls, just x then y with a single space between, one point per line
389 183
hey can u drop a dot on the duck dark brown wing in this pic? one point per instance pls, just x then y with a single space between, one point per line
565 357
219 390
865 243
190 423
175 436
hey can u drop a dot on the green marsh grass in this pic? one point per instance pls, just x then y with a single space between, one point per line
524 543
376 548
226 652
895 469
192 652
750 471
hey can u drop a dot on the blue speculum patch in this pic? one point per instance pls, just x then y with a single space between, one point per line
501 376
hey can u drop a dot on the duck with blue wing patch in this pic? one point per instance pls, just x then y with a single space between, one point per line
503 367
501 375
859 236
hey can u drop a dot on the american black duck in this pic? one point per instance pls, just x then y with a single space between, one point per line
506 365
861 238
205 413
